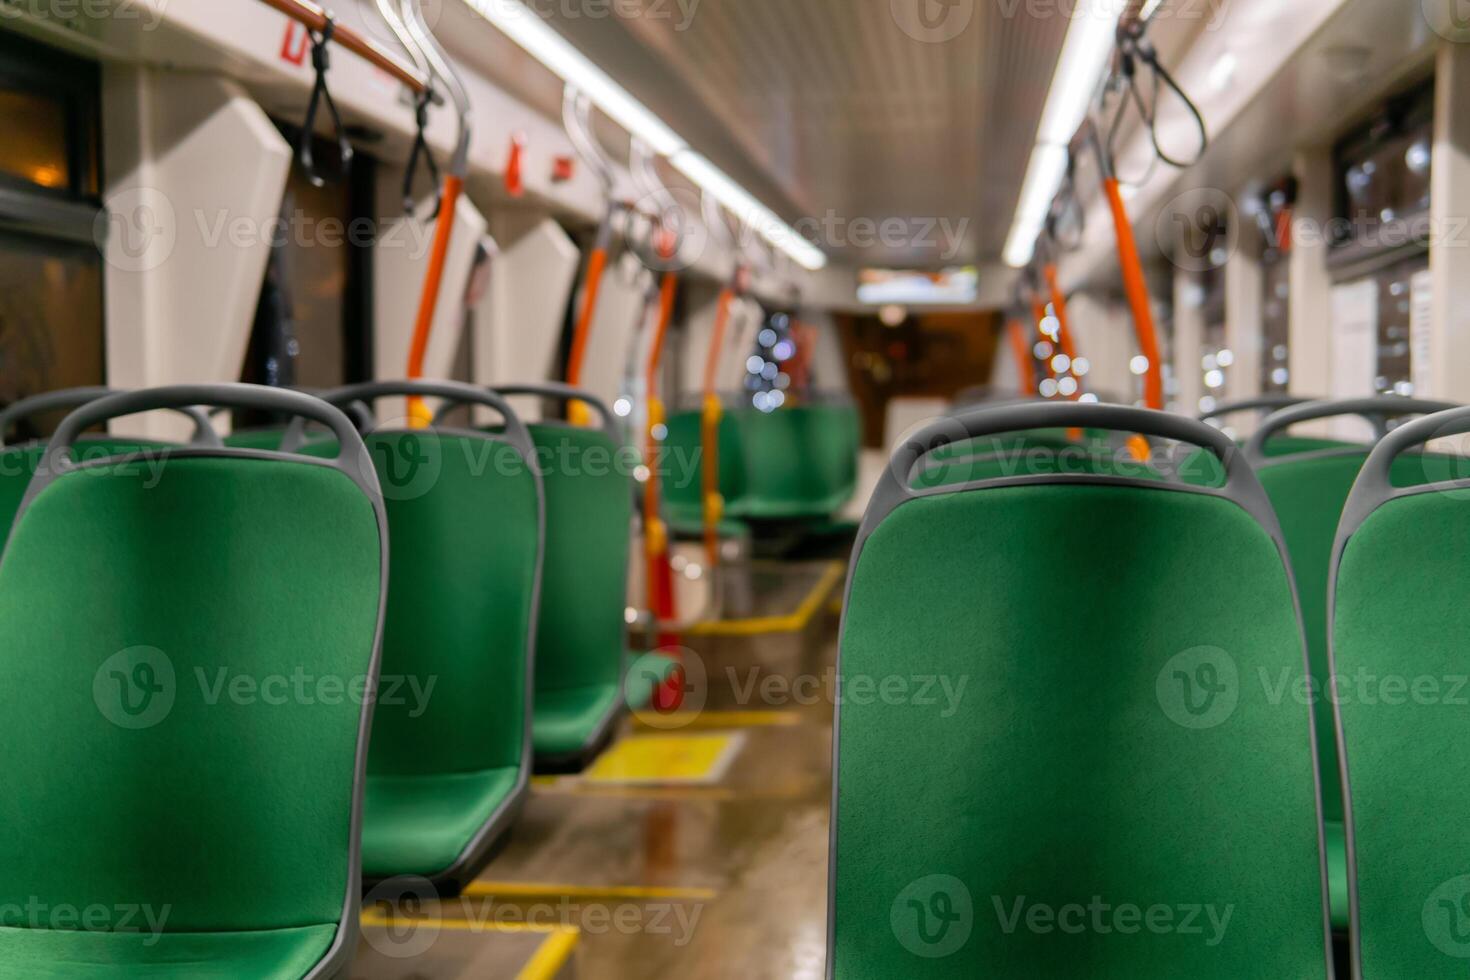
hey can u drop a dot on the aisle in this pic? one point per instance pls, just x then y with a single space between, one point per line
696 847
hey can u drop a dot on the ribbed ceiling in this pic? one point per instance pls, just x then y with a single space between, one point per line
839 108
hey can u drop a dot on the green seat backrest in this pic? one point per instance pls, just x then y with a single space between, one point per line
267 438
1080 738
18 465
1025 458
584 579
683 460
179 649
464 517
1308 493
799 461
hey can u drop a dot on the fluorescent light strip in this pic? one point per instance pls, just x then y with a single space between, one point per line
1084 58
523 26
747 209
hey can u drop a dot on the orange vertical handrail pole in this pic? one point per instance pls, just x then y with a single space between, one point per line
711 414
1137 291
582 334
655 531
1021 351
1064 327
429 300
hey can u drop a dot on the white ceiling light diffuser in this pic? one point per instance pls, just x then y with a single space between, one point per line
1084 58
526 28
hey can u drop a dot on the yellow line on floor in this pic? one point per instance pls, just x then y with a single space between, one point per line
551 955
372 920
512 889
683 720
794 623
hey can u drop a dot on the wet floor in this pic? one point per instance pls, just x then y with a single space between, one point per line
695 847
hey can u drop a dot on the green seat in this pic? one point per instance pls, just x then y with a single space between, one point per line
18 462
1109 748
1024 456
682 474
1399 622
450 765
581 633
800 462
173 805
1307 490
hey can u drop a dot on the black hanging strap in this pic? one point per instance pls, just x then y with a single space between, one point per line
321 62
421 149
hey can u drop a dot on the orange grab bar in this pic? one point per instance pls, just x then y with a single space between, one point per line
710 432
1064 328
1021 351
655 532
591 288
1137 290
429 300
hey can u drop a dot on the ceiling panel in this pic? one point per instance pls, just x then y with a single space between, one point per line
850 118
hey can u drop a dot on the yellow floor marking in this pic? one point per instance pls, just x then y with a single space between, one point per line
659 759
724 719
551 955
794 623
373 920
513 889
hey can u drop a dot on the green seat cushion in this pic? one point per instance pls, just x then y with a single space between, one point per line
420 825
686 523
800 462
1121 750
1335 840
566 720
1399 638
268 954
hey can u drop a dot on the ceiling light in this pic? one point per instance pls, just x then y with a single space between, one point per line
1085 53
525 27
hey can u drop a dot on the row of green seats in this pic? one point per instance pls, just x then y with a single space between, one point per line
1113 794
156 603
509 555
792 464
1308 480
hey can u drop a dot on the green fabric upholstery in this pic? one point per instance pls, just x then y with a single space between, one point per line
270 954
1031 459
581 632
1399 629
18 464
159 754
426 821
800 462
681 474
463 518
1080 759
1308 494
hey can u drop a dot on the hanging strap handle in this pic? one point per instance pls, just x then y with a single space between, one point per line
321 62
421 149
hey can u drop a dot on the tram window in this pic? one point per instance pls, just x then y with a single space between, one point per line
311 322
1383 178
51 282
1273 223
1402 292
1216 357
